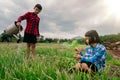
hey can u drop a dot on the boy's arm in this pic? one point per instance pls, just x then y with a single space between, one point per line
38 30
38 35
23 17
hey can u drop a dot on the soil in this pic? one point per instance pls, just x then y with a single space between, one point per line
115 69
115 53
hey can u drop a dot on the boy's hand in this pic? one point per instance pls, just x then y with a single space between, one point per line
38 38
18 24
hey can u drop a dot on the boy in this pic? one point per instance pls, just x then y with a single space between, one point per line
31 33
94 58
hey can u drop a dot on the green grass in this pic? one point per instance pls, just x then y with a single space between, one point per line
52 63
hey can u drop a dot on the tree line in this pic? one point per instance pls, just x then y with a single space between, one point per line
105 38
9 38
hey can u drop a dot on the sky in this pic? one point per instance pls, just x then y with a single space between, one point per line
67 18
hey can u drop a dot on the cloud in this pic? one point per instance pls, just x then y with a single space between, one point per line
64 18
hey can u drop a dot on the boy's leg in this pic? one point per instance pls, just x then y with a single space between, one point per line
33 50
28 50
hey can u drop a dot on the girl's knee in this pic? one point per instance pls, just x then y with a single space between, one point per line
84 66
78 66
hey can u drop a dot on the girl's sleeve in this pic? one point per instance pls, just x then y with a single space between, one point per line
85 55
23 17
101 51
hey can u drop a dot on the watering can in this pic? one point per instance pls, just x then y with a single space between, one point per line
14 30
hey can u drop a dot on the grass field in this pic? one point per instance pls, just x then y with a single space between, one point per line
52 63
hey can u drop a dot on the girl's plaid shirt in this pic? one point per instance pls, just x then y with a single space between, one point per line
32 20
96 55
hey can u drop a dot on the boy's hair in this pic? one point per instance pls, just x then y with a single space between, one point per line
38 6
93 36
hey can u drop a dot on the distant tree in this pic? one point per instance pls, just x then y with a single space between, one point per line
111 38
5 37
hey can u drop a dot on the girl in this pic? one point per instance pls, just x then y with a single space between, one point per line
94 58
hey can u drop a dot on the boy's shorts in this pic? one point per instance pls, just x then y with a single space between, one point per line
29 38
91 66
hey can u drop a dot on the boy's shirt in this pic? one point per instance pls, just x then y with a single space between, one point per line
32 20
96 55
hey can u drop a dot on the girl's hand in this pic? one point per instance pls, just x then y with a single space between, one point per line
78 50
77 56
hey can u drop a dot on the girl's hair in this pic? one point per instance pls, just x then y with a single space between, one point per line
93 36
38 6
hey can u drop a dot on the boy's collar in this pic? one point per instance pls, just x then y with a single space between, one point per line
34 13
